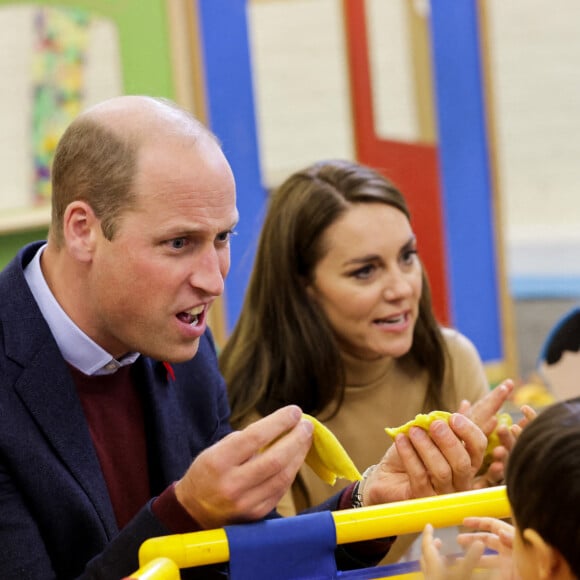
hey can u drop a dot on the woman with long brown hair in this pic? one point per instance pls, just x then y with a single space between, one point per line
338 319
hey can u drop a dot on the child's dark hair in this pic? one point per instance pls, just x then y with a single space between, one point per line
543 479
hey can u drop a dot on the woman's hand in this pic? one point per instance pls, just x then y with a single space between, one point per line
484 414
422 464
494 474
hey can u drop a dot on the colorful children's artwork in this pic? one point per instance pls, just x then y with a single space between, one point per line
60 55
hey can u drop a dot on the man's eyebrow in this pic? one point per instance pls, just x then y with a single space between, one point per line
234 224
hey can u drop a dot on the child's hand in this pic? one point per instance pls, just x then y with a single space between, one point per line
496 535
436 567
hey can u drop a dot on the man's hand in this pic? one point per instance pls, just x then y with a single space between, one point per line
243 476
422 464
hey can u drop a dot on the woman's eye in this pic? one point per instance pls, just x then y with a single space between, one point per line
363 272
409 256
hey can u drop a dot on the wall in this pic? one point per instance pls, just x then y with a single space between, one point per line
534 77
315 97
534 53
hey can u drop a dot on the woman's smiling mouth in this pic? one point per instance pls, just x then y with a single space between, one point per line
400 321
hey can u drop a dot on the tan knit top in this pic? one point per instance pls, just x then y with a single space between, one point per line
386 393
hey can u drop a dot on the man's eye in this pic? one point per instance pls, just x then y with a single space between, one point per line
224 237
178 243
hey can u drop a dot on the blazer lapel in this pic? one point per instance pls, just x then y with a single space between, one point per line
169 452
46 388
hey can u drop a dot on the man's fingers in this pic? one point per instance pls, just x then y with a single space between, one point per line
259 435
286 453
243 476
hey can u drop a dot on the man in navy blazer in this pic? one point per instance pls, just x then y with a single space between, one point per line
113 415
55 511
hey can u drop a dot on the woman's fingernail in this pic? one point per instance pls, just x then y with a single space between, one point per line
458 420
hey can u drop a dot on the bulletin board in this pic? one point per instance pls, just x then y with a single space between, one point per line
57 57
65 55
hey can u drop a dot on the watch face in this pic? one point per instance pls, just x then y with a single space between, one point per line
356 498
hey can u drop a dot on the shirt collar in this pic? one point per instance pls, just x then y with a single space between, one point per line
76 347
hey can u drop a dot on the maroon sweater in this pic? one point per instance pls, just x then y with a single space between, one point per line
114 412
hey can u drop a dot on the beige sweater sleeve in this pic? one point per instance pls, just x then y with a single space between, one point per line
467 372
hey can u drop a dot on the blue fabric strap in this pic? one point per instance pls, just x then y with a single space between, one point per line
283 548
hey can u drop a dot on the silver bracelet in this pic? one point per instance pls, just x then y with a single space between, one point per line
358 489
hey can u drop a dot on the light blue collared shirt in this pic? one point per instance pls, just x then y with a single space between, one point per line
75 346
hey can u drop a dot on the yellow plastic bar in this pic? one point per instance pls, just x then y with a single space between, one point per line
352 525
186 550
157 569
405 517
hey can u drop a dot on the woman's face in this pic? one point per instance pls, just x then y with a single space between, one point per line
368 282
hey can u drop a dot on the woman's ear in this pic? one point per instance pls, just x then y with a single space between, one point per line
80 229
548 561
309 288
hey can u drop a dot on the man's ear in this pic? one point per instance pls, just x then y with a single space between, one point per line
80 229
548 561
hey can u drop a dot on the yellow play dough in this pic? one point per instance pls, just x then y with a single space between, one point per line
327 457
421 420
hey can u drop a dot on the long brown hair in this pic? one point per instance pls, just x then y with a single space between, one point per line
282 349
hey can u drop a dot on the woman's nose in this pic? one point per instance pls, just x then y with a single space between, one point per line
396 286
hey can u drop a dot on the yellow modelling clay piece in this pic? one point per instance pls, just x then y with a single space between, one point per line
493 439
424 421
327 457
420 420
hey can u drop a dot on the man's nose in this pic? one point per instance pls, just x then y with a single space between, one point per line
207 273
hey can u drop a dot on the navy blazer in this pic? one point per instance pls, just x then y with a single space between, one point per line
56 518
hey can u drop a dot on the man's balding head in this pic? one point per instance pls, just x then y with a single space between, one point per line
96 158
